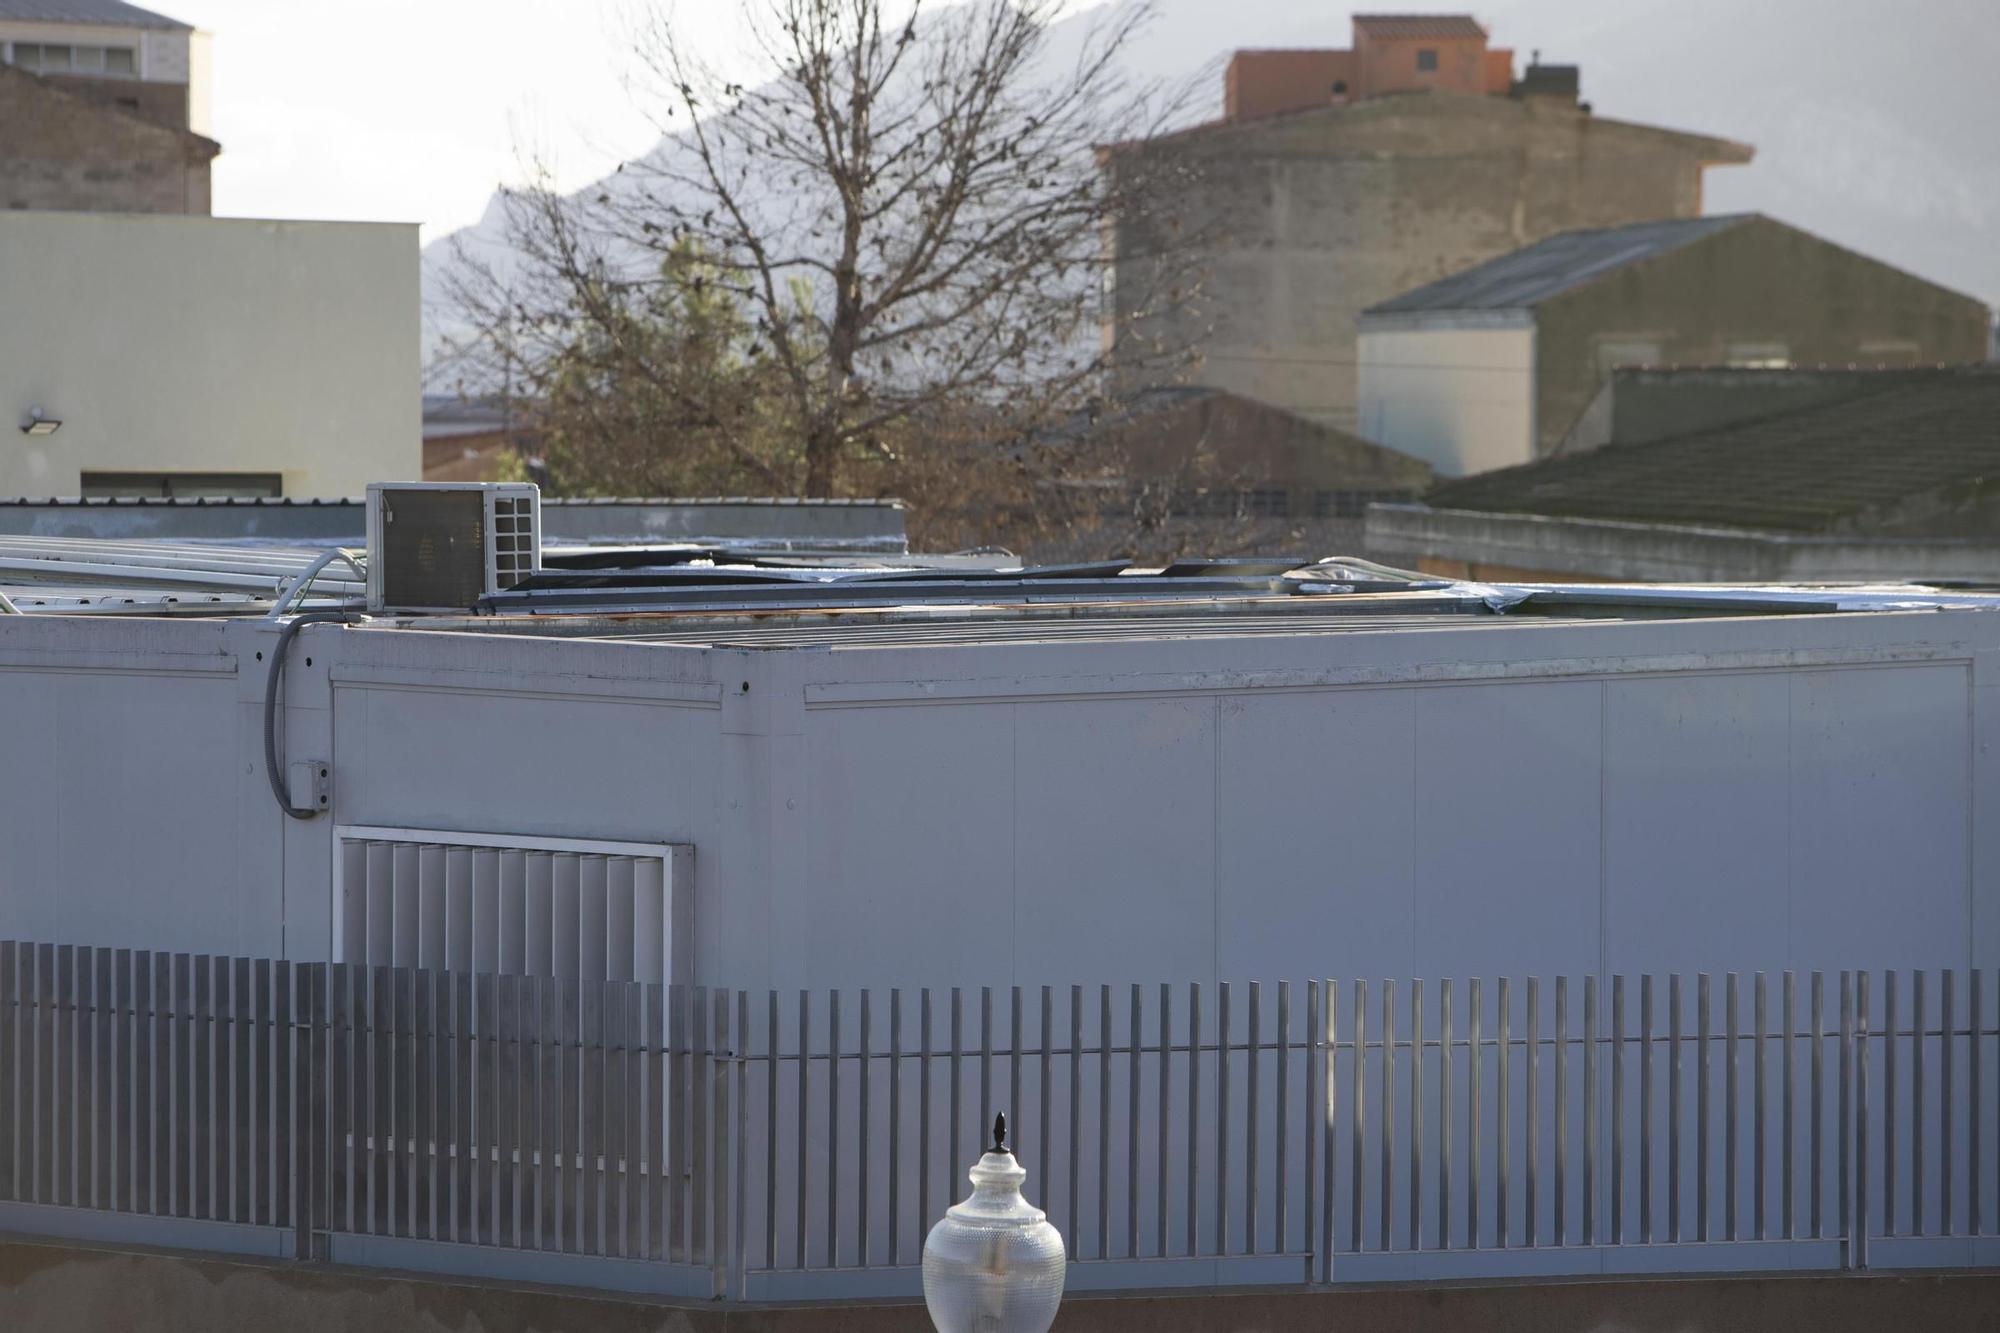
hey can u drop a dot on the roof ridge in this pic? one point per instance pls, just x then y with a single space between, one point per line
1796 470
185 134
1525 277
102 13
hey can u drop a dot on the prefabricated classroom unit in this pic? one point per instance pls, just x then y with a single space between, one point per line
946 777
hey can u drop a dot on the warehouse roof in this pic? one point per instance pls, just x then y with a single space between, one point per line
1825 468
1529 276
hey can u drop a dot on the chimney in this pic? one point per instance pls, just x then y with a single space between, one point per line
1558 82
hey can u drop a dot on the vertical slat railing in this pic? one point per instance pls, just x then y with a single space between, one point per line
615 1120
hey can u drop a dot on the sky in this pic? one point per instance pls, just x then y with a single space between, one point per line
414 110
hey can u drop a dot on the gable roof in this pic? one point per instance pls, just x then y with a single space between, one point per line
1443 27
1910 433
1528 277
109 12
199 146
1296 447
1244 133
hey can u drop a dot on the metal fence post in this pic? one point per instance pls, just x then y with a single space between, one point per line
311 1159
720 1162
740 1149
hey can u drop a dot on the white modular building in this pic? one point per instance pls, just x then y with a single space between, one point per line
931 837
751 770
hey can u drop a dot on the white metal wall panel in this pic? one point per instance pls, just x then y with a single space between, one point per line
515 906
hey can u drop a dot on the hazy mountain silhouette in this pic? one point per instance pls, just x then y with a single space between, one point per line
1874 123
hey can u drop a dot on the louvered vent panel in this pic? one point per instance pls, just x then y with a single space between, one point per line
516 543
524 911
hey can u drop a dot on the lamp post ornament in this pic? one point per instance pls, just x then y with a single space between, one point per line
993 1264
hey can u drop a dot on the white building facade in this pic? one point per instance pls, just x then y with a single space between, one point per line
203 356
106 43
1745 793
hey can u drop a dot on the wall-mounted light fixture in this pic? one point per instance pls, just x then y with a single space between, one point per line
37 424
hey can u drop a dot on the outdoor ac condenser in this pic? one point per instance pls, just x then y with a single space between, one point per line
436 546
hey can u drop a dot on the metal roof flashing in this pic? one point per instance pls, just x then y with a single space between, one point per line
692 594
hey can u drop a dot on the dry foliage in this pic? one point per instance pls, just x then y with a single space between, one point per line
878 270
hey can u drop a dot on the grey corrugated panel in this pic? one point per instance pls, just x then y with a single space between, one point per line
1529 276
873 526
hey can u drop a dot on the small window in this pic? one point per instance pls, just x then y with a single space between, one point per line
28 55
1427 59
1340 87
1267 502
1889 352
1354 504
88 60
118 60
1757 355
1614 352
167 485
55 58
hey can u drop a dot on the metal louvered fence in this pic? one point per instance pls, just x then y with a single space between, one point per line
763 1145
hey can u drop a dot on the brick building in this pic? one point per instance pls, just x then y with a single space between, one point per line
1392 53
105 109
1339 178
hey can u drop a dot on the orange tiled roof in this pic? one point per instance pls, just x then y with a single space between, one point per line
1444 27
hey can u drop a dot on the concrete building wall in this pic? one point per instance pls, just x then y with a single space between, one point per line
1757 291
1608 797
206 345
1462 400
166 54
1265 83
1307 219
164 103
1392 65
66 150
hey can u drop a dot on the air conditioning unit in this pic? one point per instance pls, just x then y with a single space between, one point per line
437 546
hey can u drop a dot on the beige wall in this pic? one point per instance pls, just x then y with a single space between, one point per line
204 344
1463 400
1762 284
201 115
1306 220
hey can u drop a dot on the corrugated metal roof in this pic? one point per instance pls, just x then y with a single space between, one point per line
108 12
1397 27
1813 470
781 523
1526 278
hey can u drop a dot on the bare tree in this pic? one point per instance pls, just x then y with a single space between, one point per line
907 205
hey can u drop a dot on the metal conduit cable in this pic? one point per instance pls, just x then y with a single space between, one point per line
299 585
272 766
